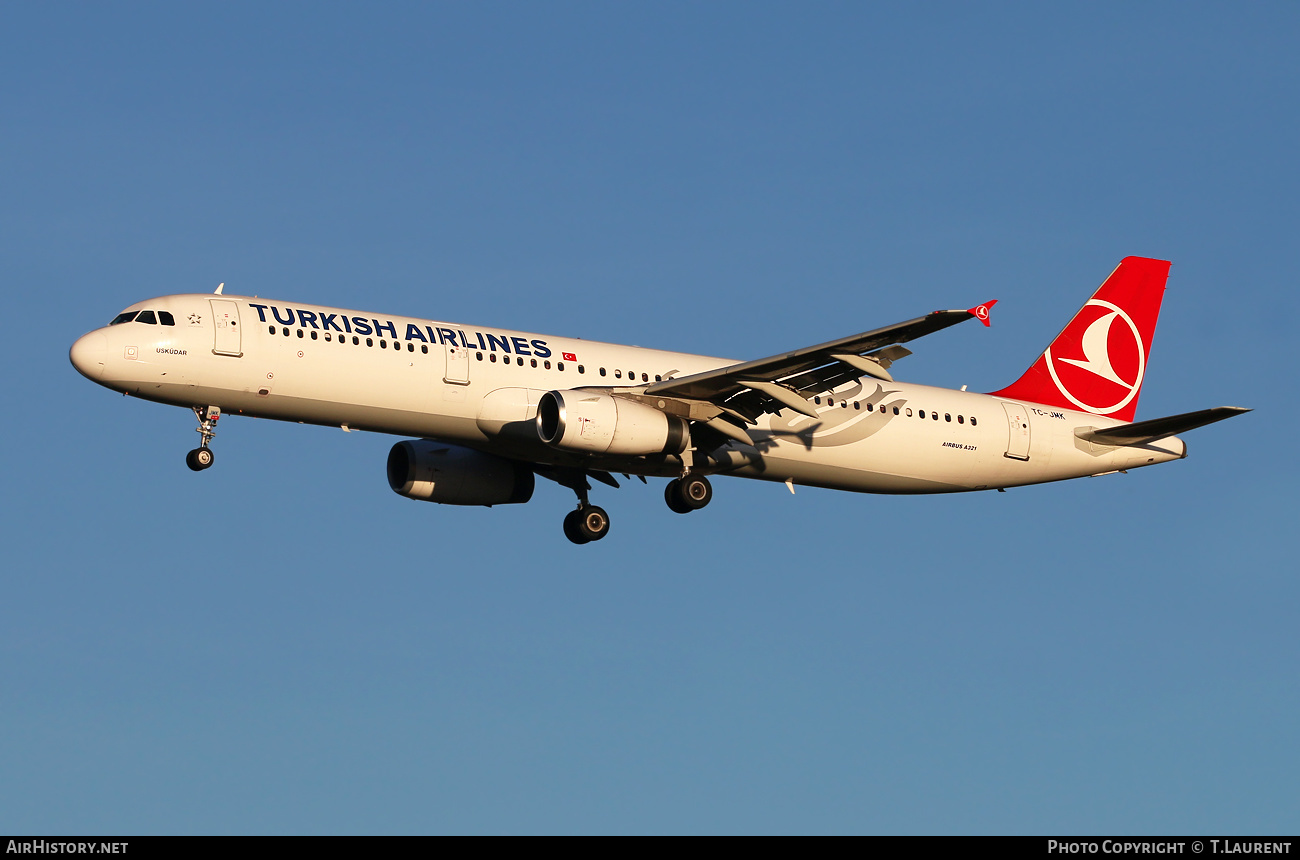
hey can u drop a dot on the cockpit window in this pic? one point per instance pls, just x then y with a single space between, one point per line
166 318
147 317
124 318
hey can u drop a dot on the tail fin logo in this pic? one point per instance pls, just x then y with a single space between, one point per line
1101 343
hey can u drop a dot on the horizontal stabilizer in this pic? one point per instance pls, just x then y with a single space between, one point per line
1157 428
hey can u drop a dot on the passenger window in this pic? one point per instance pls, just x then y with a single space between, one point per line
533 362
602 371
124 318
356 341
582 369
286 332
818 400
492 357
961 420
166 318
519 361
299 332
559 365
424 348
657 378
870 407
370 341
972 421
546 364
313 335
947 417
618 374
147 318
383 344
410 347
271 329
909 412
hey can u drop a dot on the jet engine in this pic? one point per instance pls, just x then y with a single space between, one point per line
452 475
596 423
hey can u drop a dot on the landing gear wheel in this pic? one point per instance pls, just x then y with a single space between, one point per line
691 493
586 524
671 496
199 459
572 528
593 522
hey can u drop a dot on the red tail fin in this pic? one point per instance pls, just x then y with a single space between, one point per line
1097 362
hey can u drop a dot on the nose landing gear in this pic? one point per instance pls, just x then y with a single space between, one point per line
201 457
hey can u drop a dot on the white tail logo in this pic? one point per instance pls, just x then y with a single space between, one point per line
1096 359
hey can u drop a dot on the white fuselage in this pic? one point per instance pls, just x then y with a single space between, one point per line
479 387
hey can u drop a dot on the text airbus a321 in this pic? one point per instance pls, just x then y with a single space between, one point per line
492 409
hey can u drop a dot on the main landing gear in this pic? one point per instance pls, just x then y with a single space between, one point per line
688 493
201 457
588 522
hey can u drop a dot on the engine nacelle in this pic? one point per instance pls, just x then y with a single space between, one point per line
452 475
596 423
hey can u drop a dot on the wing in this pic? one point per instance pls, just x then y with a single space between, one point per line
752 388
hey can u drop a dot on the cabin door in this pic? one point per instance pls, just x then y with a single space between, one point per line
226 334
1018 431
457 365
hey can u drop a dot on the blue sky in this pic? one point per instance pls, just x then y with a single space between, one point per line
282 645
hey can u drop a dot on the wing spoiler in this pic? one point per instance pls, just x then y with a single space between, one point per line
1157 428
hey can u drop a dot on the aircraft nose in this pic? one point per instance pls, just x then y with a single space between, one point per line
87 354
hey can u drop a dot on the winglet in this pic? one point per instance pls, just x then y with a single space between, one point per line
221 286
981 312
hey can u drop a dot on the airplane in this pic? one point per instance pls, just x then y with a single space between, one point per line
492 409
